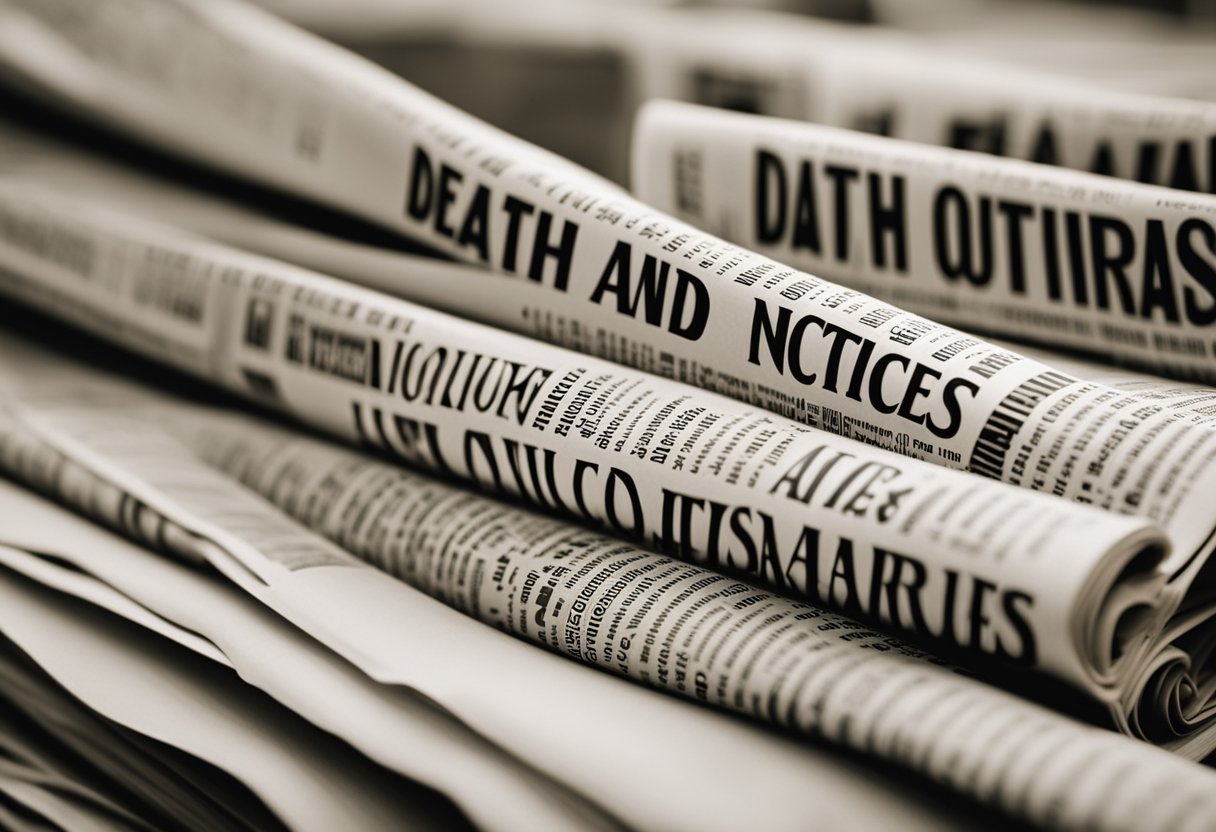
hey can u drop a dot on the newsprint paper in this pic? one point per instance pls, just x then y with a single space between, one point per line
1032 251
600 272
418 686
939 553
936 552
899 530
139 462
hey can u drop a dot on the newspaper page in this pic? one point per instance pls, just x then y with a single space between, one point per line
1187 400
620 279
428 534
969 562
667 331
535 473
394 726
678 626
997 245
398 729
537 705
302 777
432 281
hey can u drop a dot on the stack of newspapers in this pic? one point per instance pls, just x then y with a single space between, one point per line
366 466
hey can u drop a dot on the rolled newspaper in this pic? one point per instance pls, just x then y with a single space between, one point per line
959 560
595 270
124 455
1022 250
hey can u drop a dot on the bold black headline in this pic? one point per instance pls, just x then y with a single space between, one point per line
1138 268
645 287
953 606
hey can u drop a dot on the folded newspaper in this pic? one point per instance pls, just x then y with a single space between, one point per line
418 736
601 272
137 461
519 698
146 735
1114 602
1022 250
722 317
939 553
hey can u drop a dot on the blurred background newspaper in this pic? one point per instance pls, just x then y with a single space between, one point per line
586 415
